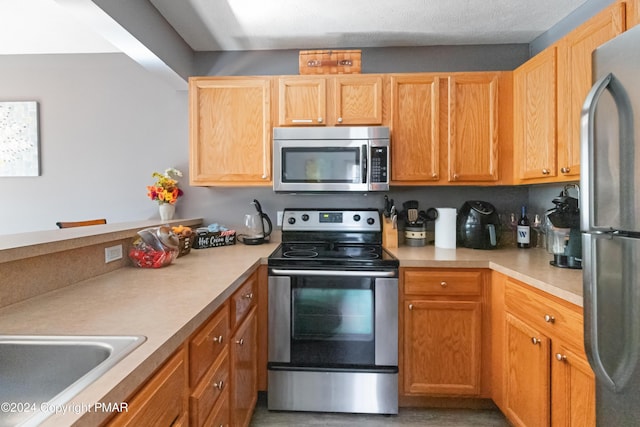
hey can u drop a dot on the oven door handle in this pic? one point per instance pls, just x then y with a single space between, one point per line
342 273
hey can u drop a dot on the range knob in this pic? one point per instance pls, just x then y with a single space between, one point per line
291 220
370 221
305 217
356 217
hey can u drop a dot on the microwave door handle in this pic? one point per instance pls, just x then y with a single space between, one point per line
365 159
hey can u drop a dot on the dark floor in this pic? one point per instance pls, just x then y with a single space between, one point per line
406 417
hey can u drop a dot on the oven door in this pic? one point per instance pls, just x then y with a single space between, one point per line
333 319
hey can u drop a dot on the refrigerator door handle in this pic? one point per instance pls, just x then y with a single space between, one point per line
587 136
627 361
588 150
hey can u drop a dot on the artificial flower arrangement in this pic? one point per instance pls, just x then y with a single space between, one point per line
165 190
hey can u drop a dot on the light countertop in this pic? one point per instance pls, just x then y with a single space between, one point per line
168 304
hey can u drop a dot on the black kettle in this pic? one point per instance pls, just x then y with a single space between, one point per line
254 231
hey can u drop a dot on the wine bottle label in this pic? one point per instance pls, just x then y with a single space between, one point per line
524 232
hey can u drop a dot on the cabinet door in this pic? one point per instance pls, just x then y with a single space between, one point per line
414 125
574 69
244 371
473 127
442 347
527 388
230 131
162 401
302 101
535 117
358 100
572 389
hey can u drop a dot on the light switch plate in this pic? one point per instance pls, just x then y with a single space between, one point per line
279 221
112 253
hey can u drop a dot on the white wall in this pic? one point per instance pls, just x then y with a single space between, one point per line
105 125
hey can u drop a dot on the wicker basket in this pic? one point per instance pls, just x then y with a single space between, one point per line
330 61
184 247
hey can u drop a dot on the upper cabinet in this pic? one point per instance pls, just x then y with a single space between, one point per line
535 116
230 130
330 100
472 137
450 128
574 71
549 91
415 128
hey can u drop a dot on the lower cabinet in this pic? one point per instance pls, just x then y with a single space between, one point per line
442 332
162 401
212 379
547 379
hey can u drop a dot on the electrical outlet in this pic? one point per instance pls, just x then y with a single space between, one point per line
280 215
112 253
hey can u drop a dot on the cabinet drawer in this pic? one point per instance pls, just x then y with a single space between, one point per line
220 415
207 344
553 317
442 282
244 299
209 391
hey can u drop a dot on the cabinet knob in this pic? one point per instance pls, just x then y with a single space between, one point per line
410 306
240 341
218 339
535 341
319 119
248 296
549 319
444 284
455 176
264 176
546 171
561 357
339 119
434 175
565 170
219 385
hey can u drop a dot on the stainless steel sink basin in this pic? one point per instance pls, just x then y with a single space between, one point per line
39 374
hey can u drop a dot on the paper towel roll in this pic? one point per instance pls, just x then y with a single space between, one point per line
446 228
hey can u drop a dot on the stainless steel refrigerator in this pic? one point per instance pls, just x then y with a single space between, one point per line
610 222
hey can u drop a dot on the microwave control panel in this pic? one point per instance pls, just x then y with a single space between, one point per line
379 164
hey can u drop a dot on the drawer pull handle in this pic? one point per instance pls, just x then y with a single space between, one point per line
561 357
444 284
565 170
410 306
549 319
219 385
218 339
240 341
546 171
248 296
535 341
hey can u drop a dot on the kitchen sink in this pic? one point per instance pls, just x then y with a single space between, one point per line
39 374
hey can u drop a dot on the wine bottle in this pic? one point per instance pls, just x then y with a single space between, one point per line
524 230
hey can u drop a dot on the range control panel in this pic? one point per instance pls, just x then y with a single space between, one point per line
331 220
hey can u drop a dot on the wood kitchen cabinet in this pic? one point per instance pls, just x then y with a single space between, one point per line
415 128
163 400
244 371
547 379
330 100
575 80
450 128
535 116
443 319
230 131
472 137
549 91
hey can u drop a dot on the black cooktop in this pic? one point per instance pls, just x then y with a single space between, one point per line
331 254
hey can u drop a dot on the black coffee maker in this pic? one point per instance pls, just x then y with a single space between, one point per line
562 224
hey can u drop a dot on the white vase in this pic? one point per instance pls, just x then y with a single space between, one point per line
167 210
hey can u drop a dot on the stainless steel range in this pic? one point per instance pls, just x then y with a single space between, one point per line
333 314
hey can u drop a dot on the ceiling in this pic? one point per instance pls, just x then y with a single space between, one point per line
44 26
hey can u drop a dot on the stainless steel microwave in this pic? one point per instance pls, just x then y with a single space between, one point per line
331 159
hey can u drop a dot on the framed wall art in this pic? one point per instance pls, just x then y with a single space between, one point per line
19 151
